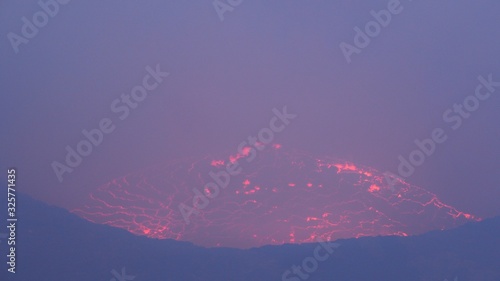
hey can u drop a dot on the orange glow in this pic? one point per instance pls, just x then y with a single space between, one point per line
291 198
468 216
234 158
258 143
252 191
244 153
345 167
246 150
373 188
217 163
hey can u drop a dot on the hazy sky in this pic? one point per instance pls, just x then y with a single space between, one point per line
227 76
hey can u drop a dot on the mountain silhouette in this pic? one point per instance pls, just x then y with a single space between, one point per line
54 244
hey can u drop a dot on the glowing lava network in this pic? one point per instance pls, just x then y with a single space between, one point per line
279 197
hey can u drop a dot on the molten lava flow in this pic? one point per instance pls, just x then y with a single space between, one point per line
279 197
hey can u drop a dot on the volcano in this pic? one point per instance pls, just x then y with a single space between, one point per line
277 196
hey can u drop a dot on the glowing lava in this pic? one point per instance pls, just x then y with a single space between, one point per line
279 197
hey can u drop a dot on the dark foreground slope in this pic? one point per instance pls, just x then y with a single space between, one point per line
55 245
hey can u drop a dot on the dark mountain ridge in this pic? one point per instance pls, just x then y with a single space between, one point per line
55 245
